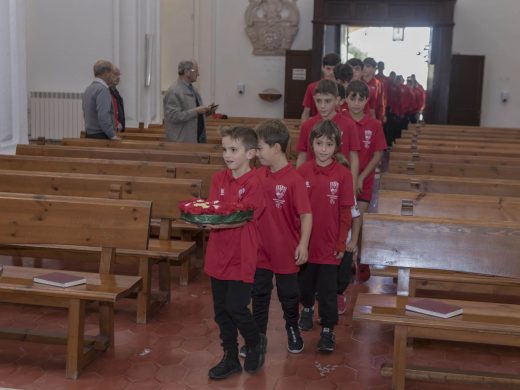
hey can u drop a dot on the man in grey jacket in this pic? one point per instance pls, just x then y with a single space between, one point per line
183 109
98 110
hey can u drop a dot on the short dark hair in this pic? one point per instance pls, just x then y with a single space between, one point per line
343 72
330 59
359 88
328 129
327 87
246 135
273 132
184 66
353 62
369 61
342 93
101 67
380 65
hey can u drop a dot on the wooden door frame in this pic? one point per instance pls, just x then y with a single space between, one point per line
437 14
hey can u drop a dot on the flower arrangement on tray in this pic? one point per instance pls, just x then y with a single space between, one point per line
203 212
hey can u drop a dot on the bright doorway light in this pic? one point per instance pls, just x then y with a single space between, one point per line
405 57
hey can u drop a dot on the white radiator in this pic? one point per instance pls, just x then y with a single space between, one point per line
55 115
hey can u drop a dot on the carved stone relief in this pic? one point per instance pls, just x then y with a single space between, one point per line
271 25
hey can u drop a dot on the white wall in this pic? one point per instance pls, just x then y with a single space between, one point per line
64 39
219 42
490 28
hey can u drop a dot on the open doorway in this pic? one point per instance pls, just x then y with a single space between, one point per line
405 51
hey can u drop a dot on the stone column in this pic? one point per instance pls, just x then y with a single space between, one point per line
13 78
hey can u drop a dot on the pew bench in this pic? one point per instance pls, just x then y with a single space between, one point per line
450 184
26 219
474 247
164 193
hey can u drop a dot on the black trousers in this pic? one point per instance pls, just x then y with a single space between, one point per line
345 272
230 302
287 289
321 279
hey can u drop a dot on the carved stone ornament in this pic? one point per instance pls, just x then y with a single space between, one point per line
271 25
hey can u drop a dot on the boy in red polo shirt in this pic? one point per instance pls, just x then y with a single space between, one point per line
231 255
373 143
285 228
331 195
375 88
327 99
328 63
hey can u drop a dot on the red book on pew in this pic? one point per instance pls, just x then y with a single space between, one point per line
434 308
60 279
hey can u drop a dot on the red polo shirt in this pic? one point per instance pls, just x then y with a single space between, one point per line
372 139
349 138
330 188
376 97
308 99
285 200
231 254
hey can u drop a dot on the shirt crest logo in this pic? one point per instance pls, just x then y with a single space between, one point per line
307 184
368 137
334 187
280 191
241 193
221 191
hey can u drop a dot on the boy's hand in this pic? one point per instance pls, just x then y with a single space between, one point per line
339 255
352 246
359 185
301 254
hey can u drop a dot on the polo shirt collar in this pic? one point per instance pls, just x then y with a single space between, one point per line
281 172
327 171
242 179
101 81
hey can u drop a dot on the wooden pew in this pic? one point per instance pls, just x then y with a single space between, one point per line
497 138
88 165
165 195
129 144
492 150
440 168
466 207
450 185
456 144
454 158
119 154
104 223
113 167
475 247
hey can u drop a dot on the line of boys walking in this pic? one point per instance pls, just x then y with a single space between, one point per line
301 230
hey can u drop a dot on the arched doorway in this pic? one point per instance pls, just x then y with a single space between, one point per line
330 15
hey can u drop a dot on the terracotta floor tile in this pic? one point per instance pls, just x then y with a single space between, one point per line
171 373
141 371
180 343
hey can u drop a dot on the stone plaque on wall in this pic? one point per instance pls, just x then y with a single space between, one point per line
271 25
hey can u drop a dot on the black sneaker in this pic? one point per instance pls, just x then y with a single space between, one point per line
327 338
229 365
255 356
294 340
306 319
243 351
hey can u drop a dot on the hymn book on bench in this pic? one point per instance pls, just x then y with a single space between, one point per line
60 279
434 308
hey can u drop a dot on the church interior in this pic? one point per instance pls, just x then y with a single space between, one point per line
442 223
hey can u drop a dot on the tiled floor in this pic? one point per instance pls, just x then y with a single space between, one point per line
179 345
